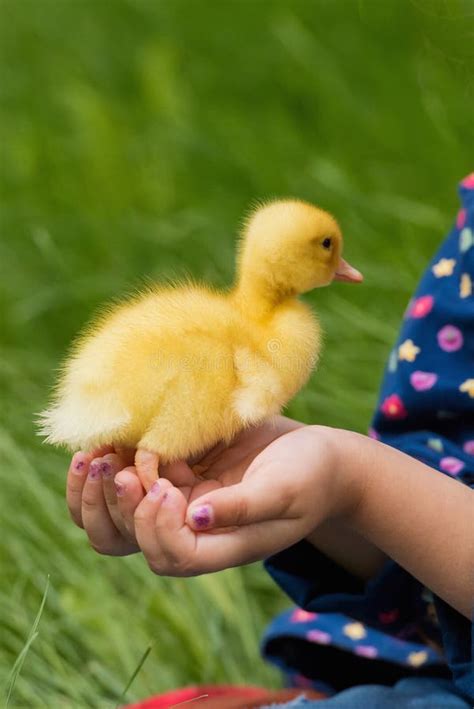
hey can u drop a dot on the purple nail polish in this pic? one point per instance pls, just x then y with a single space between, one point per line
202 516
154 491
94 471
120 489
79 462
106 469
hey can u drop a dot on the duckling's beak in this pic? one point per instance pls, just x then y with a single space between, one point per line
346 272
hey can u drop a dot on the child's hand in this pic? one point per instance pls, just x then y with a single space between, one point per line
102 495
93 503
103 490
292 486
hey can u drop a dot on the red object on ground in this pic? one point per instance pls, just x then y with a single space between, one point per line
178 696
221 697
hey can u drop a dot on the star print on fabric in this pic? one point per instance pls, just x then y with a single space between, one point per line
318 636
451 465
415 659
355 631
468 387
450 338
366 651
444 267
301 616
422 381
465 288
393 407
387 617
420 307
392 362
408 351
468 447
466 239
435 444
461 218
468 181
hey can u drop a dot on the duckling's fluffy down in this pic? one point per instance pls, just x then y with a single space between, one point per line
178 369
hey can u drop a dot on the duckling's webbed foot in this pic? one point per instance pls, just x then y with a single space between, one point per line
146 464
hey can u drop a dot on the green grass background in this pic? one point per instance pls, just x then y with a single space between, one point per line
134 134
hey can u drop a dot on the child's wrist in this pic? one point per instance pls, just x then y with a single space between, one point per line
346 473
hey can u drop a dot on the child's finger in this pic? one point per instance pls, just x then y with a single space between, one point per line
76 477
102 533
176 539
145 518
173 549
181 552
203 488
244 503
129 494
166 541
111 465
243 545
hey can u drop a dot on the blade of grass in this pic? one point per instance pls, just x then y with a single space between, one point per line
134 674
16 669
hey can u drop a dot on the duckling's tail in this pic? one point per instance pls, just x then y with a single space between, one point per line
82 424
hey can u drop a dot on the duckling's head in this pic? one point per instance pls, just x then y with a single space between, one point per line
290 247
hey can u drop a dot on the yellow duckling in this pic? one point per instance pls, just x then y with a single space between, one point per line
178 368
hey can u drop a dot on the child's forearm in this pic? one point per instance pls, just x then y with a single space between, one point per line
346 547
419 517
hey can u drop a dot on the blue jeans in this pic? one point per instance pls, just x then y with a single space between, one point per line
408 693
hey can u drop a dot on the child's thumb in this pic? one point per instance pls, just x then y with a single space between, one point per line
236 505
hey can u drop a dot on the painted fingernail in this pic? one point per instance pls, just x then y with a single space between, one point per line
154 491
79 462
94 471
119 488
106 469
202 516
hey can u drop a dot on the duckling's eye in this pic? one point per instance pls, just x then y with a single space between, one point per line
327 243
